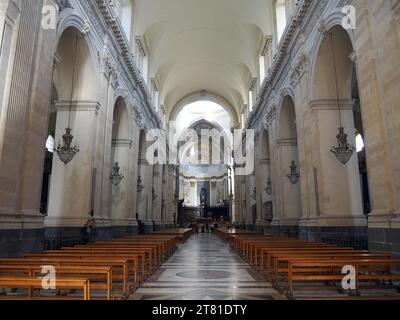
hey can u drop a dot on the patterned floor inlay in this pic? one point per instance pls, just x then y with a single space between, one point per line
205 268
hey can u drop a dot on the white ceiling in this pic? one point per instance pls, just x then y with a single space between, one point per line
197 45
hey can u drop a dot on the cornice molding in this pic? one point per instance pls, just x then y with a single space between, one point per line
279 58
125 52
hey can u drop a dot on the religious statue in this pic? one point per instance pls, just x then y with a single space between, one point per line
203 197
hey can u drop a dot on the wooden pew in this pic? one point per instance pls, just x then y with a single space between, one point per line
277 257
131 259
148 254
35 283
100 277
305 271
182 234
280 261
119 267
168 243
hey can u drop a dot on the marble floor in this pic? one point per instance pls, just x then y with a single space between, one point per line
204 268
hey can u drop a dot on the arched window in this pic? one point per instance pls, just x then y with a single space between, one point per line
359 142
281 18
50 144
123 9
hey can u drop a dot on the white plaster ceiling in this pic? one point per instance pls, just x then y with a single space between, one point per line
197 45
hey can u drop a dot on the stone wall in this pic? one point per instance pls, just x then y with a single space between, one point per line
330 192
32 65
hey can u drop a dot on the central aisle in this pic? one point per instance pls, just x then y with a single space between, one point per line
204 268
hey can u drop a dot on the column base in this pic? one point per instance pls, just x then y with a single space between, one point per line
334 221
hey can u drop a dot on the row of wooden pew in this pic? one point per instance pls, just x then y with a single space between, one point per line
182 234
309 270
101 270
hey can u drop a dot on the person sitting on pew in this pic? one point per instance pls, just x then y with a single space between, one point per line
89 228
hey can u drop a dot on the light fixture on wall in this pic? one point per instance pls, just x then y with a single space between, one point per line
115 176
344 150
65 151
268 187
140 185
293 176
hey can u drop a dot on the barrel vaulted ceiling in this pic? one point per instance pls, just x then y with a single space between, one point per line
197 45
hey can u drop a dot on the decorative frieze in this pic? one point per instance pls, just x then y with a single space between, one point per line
280 57
299 68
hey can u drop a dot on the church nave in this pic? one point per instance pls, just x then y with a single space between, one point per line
205 268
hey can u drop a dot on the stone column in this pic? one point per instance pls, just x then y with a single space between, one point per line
339 191
121 214
288 203
149 197
71 184
24 102
213 192
250 199
9 14
377 47
142 194
157 195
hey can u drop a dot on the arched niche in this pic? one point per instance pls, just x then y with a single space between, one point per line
121 156
336 103
336 44
74 73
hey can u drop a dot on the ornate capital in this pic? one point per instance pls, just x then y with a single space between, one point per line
322 27
353 57
64 4
299 68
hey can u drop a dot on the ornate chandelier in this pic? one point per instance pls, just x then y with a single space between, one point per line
268 187
293 176
343 151
116 177
65 151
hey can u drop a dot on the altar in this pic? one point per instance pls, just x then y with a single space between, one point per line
193 213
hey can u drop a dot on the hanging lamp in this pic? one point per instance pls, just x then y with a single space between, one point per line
344 150
293 176
115 176
65 151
